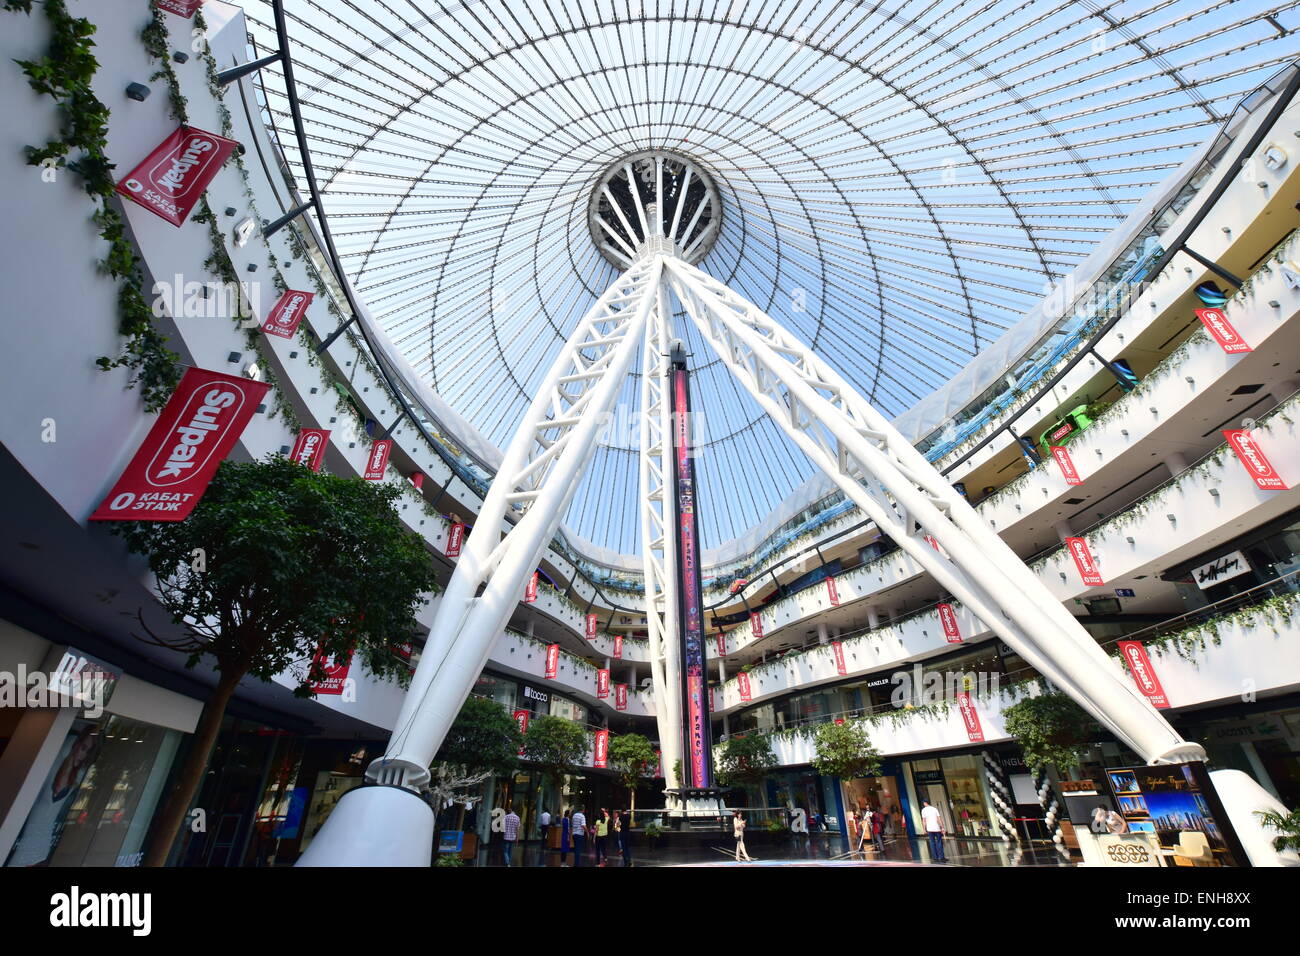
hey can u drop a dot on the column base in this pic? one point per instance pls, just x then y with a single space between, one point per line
374 826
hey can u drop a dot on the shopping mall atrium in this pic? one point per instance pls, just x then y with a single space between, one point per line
837 434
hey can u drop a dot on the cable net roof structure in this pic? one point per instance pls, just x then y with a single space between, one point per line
898 181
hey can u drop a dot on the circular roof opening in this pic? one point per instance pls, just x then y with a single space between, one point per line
654 201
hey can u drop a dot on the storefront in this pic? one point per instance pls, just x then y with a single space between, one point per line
957 786
1265 554
880 794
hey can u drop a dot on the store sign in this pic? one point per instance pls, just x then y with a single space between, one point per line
455 538
1127 849
592 624
1144 675
1063 459
171 179
832 591
620 696
602 683
838 649
1221 569
1217 324
1252 456
192 436
335 669
309 449
756 625
377 463
79 680
537 695
601 748
742 682
182 8
948 618
1088 572
1264 727
552 661
618 646
521 718
287 313
1065 429
970 718
530 592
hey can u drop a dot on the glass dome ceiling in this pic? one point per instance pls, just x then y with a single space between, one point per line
898 181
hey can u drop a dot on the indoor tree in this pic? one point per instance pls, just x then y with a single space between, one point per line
1051 729
744 760
276 570
556 746
632 756
845 751
484 741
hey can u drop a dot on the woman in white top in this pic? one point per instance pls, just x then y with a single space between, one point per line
738 830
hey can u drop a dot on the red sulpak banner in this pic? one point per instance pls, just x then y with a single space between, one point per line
182 8
377 463
659 763
756 625
287 313
832 591
336 672
720 641
1068 470
1088 572
1144 675
592 625
948 618
970 717
552 661
742 681
530 592
521 718
618 646
600 751
455 538
1258 466
602 683
171 179
1217 324
173 466
838 650
620 696
309 449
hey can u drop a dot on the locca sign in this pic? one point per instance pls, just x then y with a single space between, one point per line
171 470
172 178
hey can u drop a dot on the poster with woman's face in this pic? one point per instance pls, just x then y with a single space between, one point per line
40 834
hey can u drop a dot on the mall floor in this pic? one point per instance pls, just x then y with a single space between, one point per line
807 850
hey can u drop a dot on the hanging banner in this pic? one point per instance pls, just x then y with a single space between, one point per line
592 625
171 179
530 593
721 642
948 618
832 591
287 313
1252 456
182 8
1088 572
601 749
618 646
309 449
1070 473
521 718
970 718
1217 324
335 672
620 696
377 463
756 624
1144 675
659 763
417 479
193 434
455 538
602 683
742 681
838 650
713 698
552 660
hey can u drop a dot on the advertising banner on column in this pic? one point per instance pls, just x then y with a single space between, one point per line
1257 465
521 718
602 683
552 660
832 591
1217 324
1088 572
287 313
620 696
455 538
1070 473
182 8
948 618
171 179
969 717
601 749
592 624
309 449
335 672
173 466
838 650
530 592
1144 675
756 625
618 646
377 463
742 681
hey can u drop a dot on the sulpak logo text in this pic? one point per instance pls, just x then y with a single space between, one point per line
600 751
756 625
742 682
1144 675
530 591
552 661
377 463
602 683
721 640
832 591
309 449
1088 572
970 717
1062 456
948 618
620 696
838 650
287 312
1217 324
196 430
455 538
1252 456
521 718
618 646
591 627
171 179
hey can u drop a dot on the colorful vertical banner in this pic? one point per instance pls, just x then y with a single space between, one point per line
1066 463
182 8
838 650
552 661
530 592
832 591
455 538
970 717
521 718
176 461
335 670
287 313
593 624
309 449
620 696
948 618
1088 572
742 682
1222 331
377 463
1257 465
1144 674
171 179
618 646
602 683
756 625
600 751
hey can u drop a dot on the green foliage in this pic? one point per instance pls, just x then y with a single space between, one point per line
844 750
1287 825
484 737
449 859
1051 728
653 831
744 760
631 755
276 560
555 745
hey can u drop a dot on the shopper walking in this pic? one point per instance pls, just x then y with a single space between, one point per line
511 834
579 830
602 836
878 830
566 826
860 824
933 824
738 831
544 824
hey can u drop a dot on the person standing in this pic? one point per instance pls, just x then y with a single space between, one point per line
579 830
623 828
878 830
511 834
602 836
738 831
566 826
933 823
544 824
